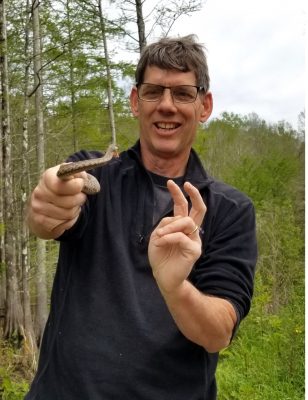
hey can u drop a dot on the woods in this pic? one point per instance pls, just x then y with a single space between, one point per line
65 87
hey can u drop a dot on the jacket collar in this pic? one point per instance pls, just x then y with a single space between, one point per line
195 172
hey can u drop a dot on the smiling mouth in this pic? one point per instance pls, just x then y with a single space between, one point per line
167 125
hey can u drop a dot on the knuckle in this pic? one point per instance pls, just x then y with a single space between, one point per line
42 220
36 205
36 194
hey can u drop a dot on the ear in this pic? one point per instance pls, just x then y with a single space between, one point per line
134 101
207 104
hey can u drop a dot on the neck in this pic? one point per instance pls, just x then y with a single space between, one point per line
171 168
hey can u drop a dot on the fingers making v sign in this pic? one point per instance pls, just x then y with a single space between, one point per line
175 244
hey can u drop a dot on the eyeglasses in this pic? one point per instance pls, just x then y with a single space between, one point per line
180 94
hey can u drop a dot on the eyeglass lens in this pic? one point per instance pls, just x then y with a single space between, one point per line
180 94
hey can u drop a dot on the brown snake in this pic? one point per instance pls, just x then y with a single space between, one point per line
91 185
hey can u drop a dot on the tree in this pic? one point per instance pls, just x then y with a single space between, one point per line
301 125
71 74
13 328
140 25
151 20
41 303
30 340
108 72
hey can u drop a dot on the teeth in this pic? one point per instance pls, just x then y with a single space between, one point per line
166 125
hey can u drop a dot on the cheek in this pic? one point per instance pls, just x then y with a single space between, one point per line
192 114
194 117
198 112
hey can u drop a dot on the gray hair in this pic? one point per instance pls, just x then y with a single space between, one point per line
182 54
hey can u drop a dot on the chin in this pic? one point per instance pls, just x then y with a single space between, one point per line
167 151
164 146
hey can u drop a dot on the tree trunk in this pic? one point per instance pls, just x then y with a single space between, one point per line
41 301
2 255
30 342
72 78
2 259
108 71
140 25
13 324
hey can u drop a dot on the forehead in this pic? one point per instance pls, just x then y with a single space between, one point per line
168 77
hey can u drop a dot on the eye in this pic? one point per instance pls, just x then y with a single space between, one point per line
184 93
150 92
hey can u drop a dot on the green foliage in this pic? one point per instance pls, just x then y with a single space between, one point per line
265 178
266 359
281 252
92 129
10 390
14 378
258 159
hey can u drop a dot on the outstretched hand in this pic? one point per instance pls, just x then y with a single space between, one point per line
55 204
175 244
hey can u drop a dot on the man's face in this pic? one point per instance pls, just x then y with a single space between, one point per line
168 128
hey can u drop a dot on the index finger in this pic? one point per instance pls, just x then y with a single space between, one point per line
180 207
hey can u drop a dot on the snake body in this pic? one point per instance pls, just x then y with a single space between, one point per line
91 185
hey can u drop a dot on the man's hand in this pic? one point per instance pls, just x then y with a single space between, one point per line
174 248
175 244
55 204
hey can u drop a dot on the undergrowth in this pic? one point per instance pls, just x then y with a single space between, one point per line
14 376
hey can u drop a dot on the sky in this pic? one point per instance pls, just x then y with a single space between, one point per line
256 55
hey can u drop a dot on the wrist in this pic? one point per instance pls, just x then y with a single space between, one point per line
175 293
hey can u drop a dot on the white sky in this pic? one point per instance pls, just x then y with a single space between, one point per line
256 55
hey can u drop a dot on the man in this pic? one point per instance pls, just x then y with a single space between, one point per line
155 272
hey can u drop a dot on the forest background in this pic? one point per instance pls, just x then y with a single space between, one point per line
63 89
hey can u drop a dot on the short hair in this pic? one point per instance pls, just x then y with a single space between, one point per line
182 54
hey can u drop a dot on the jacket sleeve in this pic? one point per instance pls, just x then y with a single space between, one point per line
226 267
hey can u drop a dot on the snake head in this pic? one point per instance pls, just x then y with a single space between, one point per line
113 149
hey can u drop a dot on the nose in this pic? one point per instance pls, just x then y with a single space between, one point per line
166 100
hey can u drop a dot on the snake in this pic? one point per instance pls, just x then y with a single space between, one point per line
91 185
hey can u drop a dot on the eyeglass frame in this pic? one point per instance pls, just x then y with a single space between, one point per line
199 89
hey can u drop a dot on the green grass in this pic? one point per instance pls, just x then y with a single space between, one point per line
266 359
14 376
